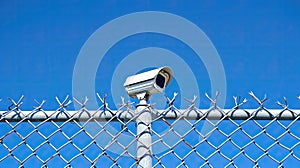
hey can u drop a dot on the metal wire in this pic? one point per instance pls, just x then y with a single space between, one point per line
190 137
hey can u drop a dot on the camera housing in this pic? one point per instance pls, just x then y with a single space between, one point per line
150 82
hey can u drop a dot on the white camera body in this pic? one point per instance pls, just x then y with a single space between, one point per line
150 82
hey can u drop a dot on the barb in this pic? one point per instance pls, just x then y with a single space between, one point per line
170 102
126 104
105 106
213 101
261 108
285 105
39 106
123 100
260 102
17 105
64 104
83 108
82 103
103 101
237 102
191 101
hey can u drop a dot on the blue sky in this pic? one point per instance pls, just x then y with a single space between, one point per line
257 41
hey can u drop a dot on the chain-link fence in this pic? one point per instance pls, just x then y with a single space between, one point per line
135 137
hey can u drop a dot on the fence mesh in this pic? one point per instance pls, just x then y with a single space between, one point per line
188 137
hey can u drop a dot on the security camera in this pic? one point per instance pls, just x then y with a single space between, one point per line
149 82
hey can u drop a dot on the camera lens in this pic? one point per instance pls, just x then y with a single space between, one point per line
160 81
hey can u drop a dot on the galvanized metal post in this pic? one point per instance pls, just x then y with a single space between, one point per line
144 139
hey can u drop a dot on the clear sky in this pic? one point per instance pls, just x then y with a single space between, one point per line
257 41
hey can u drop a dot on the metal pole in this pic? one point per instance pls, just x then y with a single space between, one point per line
144 139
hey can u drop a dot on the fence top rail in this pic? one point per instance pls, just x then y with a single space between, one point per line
171 114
